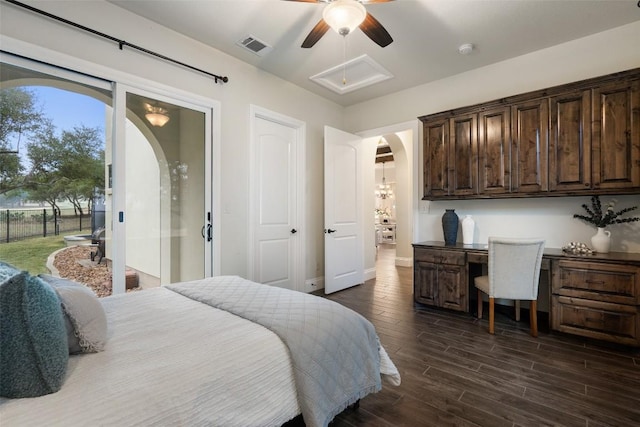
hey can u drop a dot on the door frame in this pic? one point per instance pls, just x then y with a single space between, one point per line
415 204
257 112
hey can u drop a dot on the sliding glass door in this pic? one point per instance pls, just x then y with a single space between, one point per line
160 187
147 165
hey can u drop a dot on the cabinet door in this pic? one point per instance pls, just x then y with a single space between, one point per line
463 155
616 135
494 151
436 158
425 282
452 287
530 134
570 142
613 283
617 323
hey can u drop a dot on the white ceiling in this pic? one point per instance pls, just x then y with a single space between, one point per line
426 33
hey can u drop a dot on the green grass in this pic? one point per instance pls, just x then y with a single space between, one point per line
31 254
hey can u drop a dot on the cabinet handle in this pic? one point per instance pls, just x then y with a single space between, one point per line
595 282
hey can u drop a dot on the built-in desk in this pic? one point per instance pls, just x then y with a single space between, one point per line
596 296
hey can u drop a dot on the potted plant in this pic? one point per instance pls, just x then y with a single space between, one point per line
601 241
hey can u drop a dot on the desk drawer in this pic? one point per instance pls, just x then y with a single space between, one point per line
440 256
594 319
603 282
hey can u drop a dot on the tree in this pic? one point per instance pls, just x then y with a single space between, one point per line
20 119
70 166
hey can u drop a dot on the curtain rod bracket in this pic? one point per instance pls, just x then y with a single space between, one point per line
121 43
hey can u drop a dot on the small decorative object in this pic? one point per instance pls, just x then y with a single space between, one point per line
601 241
468 226
450 226
577 248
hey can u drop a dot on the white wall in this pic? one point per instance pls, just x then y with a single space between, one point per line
600 54
33 36
30 35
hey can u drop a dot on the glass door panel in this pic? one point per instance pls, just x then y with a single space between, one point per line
166 215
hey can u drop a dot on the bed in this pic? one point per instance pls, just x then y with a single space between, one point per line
221 351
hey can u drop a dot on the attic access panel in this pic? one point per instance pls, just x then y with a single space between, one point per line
352 75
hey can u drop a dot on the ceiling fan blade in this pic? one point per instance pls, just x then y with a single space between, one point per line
318 31
375 31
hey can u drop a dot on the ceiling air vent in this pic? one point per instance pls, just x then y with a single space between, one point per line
255 45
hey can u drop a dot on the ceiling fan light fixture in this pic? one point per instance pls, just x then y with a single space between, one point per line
344 16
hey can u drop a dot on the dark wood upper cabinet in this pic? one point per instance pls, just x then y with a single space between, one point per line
494 150
530 136
436 158
463 169
616 135
570 138
579 138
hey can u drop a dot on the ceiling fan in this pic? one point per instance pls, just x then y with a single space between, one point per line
344 16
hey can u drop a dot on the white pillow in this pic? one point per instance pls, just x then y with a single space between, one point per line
85 317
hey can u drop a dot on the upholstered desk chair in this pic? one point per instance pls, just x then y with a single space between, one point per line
514 271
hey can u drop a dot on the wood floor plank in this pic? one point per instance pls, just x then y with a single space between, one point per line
603 411
455 373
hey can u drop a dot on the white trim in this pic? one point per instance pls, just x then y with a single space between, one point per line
369 273
77 65
55 71
404 262
312 285
300 241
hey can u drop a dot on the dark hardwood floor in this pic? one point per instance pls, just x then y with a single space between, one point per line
455 373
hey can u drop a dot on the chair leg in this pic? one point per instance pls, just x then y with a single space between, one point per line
491 316
517 305
533 318
479 304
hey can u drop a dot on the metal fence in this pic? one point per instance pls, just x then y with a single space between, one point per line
18 224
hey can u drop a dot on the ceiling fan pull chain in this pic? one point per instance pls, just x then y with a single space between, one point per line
344 60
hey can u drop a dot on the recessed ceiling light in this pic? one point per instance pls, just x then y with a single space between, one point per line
465 49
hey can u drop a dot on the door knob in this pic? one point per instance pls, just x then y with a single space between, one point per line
294 231
330 231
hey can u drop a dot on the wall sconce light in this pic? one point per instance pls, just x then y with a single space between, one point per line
157 116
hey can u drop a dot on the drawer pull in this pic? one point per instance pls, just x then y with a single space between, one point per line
595 282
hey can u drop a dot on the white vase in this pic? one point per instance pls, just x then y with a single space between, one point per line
468 226
601 241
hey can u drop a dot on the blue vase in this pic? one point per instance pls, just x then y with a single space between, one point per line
450 226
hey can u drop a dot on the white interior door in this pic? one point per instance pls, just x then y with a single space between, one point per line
343 223
275 210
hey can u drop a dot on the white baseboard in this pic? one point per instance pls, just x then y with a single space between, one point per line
369 274
311 285
404 262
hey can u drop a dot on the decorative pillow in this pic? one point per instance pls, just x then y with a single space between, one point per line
33 354
85 317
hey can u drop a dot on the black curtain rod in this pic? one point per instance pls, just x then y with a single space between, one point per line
121 43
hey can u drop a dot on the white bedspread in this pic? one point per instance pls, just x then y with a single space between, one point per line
335 351
169 361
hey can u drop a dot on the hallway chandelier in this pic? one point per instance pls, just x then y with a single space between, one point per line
384 189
